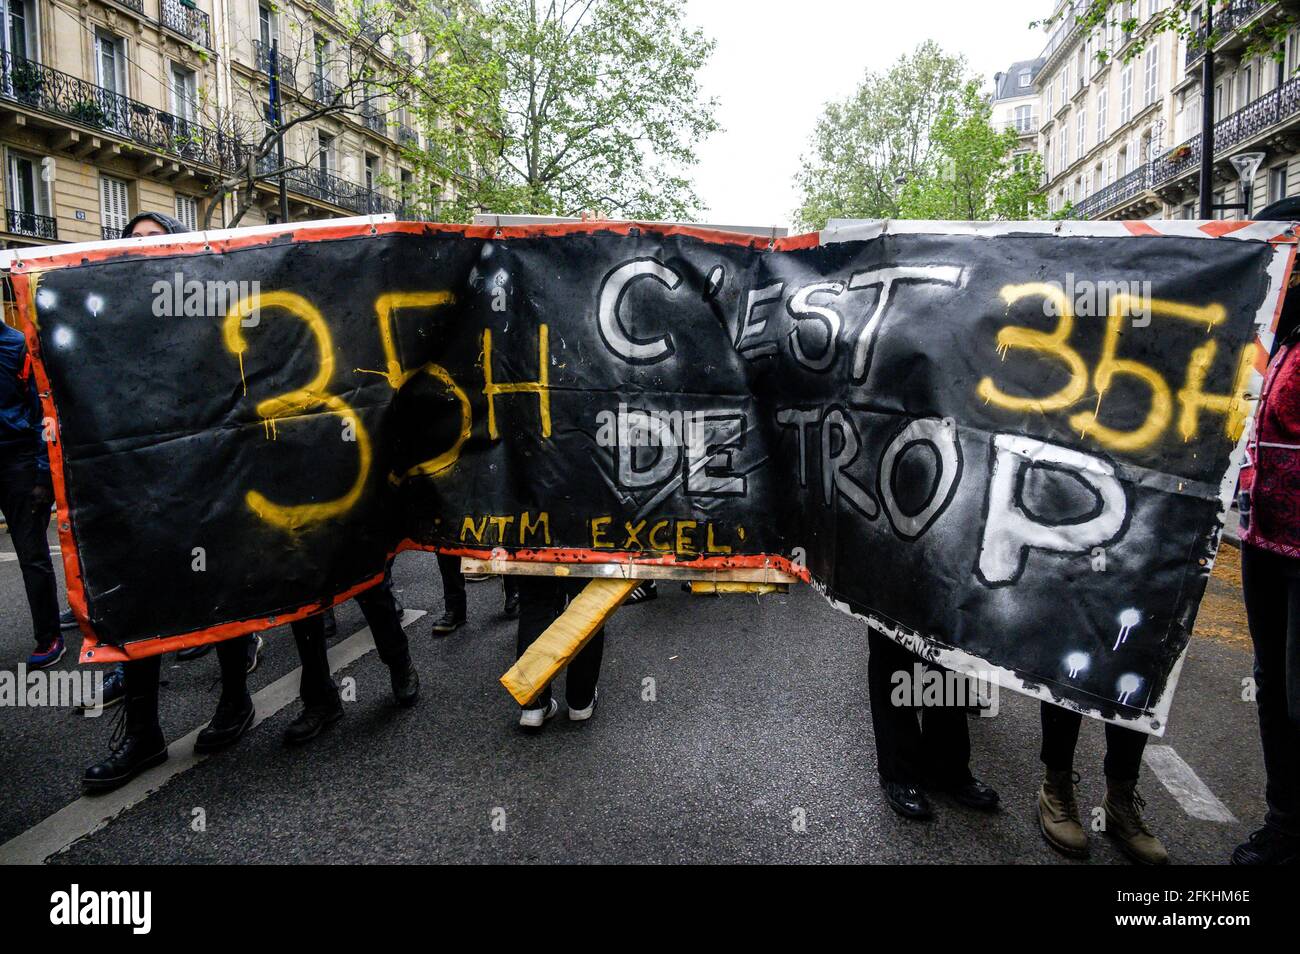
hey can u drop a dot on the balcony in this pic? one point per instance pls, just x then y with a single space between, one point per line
30 224
373 118
1024 127
108 233
136 5
325 187
1226 20
190 22
406 136
1251 121
262 59
40 88
323 89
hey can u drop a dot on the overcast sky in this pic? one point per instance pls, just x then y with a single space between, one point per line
777 63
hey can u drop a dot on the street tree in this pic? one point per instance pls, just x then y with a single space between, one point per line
558 107
914 141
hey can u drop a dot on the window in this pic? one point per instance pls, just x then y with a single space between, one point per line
1126 93
1245 85
185 96
325 160
1047 103
1047 158
28 193
1189 210
1025 78
1153 75
321 50
1024 120
265 25
110 62
372 173
1277 183
114 209
19 34
1219 105
1103 100
1083 130
1065 148
1220 198
187 211
1121 162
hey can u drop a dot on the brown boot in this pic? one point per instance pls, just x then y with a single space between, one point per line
1058 815
1125 826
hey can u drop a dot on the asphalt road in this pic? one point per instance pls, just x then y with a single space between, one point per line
759 721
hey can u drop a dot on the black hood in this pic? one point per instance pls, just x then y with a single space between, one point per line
174 226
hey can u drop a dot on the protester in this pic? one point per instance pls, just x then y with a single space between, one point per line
1268 504
26 493
137 742
916 750
322 706
454 601
1058 808
541 601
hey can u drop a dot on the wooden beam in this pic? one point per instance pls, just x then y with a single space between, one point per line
718 587
630 571
564 638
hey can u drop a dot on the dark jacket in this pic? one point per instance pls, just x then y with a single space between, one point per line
20 404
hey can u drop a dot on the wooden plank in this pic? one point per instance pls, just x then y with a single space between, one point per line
717 587
629 571
564 638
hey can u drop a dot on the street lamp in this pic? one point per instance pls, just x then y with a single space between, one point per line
1247 164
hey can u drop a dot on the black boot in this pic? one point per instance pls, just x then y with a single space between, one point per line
313 721
449 622
137 744
406 684
908 800
1268 846
231 721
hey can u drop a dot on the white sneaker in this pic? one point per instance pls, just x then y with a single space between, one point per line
582 715
533 718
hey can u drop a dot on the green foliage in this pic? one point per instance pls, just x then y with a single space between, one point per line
916 142
555 108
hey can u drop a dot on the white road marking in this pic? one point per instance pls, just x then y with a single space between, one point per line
90 813
1185 785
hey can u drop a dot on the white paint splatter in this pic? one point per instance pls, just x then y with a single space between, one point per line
1077 663
46 299
1128 619
1129 683
63 337
94 304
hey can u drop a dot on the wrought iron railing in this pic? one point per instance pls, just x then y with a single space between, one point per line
19 222
136 5
108 233
185 19
373 118
1226 19
1271 109
406 135
323 89
326 187
60 94
327 4
262 58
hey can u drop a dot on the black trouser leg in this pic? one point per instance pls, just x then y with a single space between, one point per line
380 610
1272 592
1060 736
1124 748
898 733
232 656
453 585
945 735
19 478
511 584
142 696
316 686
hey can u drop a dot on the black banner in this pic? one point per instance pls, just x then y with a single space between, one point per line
1007 447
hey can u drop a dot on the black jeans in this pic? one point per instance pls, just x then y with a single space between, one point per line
453 585
1124 747
1272 588
915 745
377 604
142 683
28 521
541 601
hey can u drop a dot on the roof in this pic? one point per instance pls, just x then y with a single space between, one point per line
1007 85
